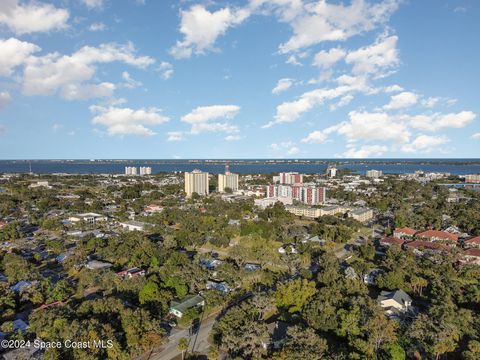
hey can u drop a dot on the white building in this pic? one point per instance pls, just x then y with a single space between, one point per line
309 212
227 180
145 170
289 178
307 194
264 203
361 214
374 174
196 182
89 218
331 171
133 225
130 170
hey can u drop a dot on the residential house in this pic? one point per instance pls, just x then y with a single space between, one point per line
217 285
178 308
22 284
153 208
389 241
96 265
473 242
404 233
437 235
277 331
251 267
131 273
133 225
472 256
370 278
395 302
419 246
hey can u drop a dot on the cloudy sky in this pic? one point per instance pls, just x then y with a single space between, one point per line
239 79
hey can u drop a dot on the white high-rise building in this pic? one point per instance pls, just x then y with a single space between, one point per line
331 171
227 180
145 170
374 174
289 178
196 182
130 170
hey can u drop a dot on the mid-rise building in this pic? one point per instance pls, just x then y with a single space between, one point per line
472 178
309 212
289 178
227 180
331 171
130 170
374 174
361 214
145 170
307 194
196 182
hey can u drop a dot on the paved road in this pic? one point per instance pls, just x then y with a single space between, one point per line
201 344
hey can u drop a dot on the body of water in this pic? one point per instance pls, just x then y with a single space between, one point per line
393 166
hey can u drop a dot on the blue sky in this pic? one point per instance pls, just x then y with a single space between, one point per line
239 79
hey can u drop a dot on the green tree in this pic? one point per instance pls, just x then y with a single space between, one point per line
295 294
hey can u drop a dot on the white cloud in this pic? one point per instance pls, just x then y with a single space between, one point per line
175 136
86 91
437 121
4 99
282 85
56 127
26 18
425 144
403 100
321 21
166 70
365 151
476 136
430 102
233 137
376 58
325 59
201 28
130 83
286 147
14 53
201 118
292 60
377 126
126 121
94 4
344 101
3 129
290 111
67 74
315 137
393 88
97 27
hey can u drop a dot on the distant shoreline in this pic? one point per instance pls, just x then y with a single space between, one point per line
449 161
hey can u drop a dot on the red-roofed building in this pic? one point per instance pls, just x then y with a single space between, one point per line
389 241
131 273
427 245
436 235
473 242
403 233
153 208
472 256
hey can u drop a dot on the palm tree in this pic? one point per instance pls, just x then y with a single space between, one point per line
183 346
